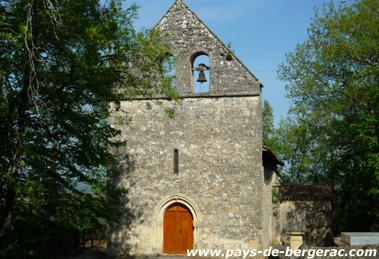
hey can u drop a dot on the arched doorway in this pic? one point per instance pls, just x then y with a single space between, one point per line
177 229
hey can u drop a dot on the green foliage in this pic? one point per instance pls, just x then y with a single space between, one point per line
275 197
230 47
276 203
268 130
333 82
292 142
61 64
296 143
170 112
229 55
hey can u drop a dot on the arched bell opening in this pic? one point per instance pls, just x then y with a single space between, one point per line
200 67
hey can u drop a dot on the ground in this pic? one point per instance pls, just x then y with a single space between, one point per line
99 251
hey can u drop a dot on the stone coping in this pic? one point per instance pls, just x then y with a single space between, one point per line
201 95
360 238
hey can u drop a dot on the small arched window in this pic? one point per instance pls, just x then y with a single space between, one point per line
200 72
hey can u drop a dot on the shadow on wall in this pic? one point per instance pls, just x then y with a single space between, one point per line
125 215
314 218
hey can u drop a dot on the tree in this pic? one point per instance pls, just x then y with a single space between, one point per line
294 143
61 64
333 82
268 129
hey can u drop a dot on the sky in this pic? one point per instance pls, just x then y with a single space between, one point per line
261 33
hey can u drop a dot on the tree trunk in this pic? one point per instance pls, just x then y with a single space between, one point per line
9 209
13 172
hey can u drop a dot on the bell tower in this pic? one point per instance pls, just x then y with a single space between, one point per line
190 38
205 162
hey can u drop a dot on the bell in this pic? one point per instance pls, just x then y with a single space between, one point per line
201 78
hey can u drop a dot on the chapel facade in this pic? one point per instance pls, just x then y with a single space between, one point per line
195 181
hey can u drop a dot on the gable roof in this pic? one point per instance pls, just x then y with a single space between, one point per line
184 6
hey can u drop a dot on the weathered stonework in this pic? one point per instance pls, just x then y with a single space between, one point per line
307 208
219 139
189 37
314 218
220 169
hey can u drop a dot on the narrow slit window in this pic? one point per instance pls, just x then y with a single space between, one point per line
176 161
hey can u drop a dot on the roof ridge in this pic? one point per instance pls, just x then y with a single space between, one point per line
172 6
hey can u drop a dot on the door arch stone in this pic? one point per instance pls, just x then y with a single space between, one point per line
161 209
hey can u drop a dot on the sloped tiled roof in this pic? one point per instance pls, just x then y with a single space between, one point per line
307 191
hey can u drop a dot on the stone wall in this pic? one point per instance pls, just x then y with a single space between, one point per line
219 139
313 217
220 172
189 37
271 203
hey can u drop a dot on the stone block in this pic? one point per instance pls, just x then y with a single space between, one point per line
360 238
296 240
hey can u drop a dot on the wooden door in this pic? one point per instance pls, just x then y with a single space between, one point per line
177 230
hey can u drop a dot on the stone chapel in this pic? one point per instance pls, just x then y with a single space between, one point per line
198 180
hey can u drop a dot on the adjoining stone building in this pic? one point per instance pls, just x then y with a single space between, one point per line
306 209
196 180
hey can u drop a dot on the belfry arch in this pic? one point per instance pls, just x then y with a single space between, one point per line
166 203
197 58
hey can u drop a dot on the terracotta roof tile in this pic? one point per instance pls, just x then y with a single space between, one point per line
307 191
